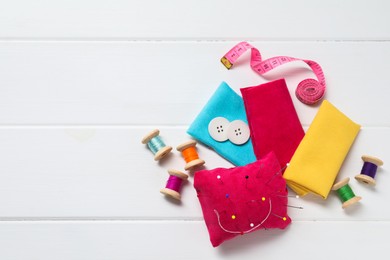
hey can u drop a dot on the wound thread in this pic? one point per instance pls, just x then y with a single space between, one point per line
190 154
345 193
155 144
174 183
369 169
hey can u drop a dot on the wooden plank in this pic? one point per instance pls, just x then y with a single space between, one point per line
106 173
168 83
219 20
119 240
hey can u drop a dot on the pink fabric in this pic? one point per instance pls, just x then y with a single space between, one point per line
272 119
245 199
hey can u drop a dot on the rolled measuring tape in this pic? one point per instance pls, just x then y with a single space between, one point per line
346 195
368 171
308 91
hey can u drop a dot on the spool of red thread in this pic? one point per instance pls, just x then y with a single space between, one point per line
174 183
190 155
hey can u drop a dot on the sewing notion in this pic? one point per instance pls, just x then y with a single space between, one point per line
369 169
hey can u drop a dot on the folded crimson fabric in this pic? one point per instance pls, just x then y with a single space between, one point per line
318 158
243 199
272 119
216 123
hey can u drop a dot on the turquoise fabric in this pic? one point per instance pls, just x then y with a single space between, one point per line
228 104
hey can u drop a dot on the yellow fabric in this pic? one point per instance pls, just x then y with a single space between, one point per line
318 158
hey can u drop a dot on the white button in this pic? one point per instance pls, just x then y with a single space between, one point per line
238 132
218 129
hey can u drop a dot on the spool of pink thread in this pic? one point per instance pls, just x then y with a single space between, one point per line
174 183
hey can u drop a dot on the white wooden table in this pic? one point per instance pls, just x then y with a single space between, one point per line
82 81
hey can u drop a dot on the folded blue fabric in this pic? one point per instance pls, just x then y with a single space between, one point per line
228 104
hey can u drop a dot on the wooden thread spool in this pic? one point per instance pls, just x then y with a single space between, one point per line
156 145
173 186
345 193
368 171
190 155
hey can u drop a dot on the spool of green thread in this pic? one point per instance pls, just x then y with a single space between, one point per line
346 195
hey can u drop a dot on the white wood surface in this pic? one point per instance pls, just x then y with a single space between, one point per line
196 20
76 84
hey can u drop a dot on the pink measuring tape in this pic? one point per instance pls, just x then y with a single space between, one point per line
309 91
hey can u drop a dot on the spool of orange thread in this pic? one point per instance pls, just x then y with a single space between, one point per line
190 155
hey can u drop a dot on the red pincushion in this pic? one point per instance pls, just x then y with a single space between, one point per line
243 199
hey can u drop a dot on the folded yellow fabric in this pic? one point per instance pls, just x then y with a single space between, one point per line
318 158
